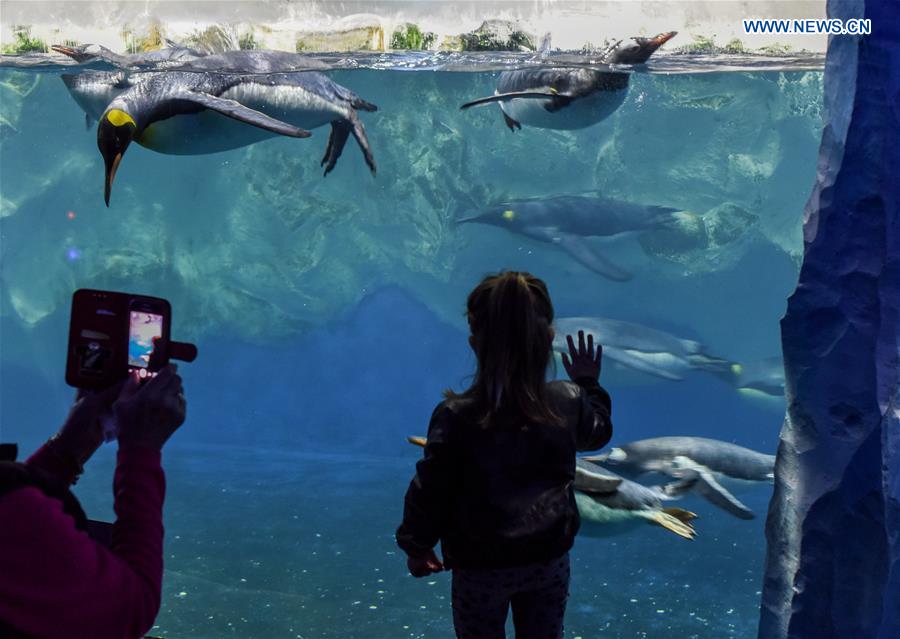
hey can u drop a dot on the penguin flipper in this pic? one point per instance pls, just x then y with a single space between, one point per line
512 95
590 478
715 493
575 246
237 111
639 361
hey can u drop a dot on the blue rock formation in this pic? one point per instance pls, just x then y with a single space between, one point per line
833 564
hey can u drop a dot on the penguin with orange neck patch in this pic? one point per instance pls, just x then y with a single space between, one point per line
569 98
184 113
195 113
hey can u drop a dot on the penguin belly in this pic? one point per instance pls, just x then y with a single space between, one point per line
581 113
211 132
199 134
289 103
598 520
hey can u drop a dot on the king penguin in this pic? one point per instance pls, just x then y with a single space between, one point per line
569 97
193 113
173 54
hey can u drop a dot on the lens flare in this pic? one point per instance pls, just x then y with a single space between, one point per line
73 254
70 215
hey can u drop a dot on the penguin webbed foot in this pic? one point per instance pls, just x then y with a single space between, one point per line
340 131
512 124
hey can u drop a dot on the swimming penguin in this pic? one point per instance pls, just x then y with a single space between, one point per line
569 97
191 113
609 512
764 377
609 504
642 348
567 220
253 61
86 53
709 461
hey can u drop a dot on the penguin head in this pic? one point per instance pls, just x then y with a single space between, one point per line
502 215
115 132
637 50
80 52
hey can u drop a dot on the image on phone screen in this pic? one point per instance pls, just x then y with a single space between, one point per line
144 327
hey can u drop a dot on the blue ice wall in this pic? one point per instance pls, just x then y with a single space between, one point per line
833 565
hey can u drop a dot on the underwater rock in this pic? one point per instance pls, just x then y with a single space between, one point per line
833 531
15 87
705 242
498 35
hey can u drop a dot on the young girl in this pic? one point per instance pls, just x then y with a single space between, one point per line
495 484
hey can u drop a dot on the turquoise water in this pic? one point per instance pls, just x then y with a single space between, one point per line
328 313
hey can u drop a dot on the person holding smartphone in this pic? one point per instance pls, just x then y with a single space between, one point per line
55 580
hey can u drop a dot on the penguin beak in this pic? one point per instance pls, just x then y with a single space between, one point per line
111 168
662 38
112 141
75 54
646 48
64 50
468 218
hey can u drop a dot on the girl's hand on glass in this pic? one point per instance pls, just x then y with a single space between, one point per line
583 361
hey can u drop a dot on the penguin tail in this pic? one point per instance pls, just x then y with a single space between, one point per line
676 219
359 103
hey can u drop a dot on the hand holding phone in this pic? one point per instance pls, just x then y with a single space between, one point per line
112 335
148 414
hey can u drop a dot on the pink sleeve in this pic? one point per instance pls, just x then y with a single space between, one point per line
48 459
46 564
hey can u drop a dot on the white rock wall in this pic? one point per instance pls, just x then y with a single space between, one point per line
276 24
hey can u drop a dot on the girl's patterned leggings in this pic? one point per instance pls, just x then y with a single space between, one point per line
536 592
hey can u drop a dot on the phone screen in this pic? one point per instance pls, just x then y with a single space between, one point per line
144 327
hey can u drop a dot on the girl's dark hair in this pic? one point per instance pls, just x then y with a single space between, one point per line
510 315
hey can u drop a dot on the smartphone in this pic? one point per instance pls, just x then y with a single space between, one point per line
112 334
146 329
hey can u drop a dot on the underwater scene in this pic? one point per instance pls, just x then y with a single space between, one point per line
329 316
